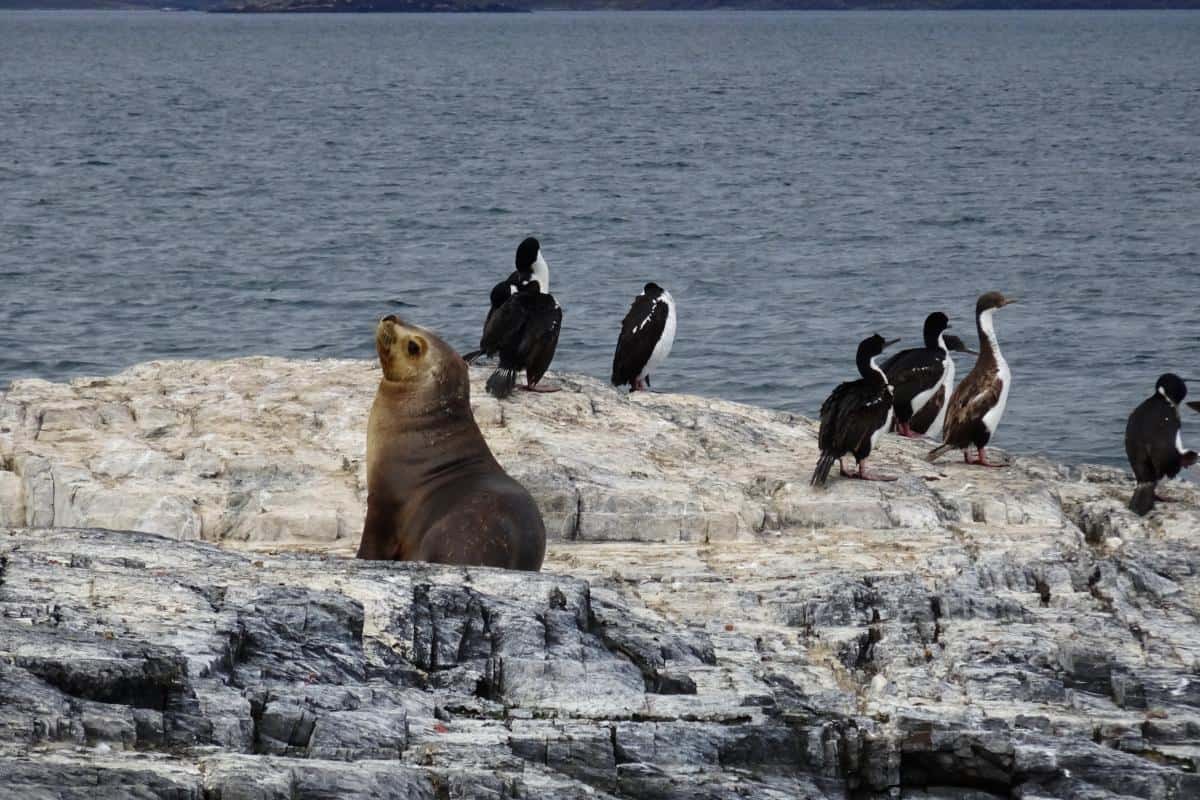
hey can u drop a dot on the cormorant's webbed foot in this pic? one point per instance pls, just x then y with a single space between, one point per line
982 461
863 475
541 388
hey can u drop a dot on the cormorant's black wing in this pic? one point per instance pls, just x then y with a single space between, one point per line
864 411
923 418
911 372
1138 436
501 292
505 325
640 331
833 415
539 339
1163 439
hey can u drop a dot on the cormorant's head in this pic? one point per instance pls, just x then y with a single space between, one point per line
957 345
1172 387
872 346
991 300
531 264
527 253
652 290
935 323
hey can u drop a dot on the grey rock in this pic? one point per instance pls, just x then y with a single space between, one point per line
140 666
707 625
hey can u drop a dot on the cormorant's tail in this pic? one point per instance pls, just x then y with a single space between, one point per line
1142 501
824 464
471 356
936 452
502 382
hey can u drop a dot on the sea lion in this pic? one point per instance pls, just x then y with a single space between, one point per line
435 492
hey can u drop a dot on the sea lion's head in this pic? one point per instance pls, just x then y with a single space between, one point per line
419 363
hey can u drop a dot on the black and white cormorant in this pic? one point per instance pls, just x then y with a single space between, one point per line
855 414
1153 442
529 266
977 404
923 377
523 331
647 333
930 420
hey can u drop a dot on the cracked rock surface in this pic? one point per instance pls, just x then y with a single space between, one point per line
706 625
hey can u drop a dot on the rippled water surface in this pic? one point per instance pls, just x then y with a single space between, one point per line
182 185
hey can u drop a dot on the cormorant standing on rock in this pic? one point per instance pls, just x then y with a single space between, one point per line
923 377
529 266
977 405
647 333
1153 442
855 414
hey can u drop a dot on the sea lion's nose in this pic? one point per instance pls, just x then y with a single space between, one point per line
391 318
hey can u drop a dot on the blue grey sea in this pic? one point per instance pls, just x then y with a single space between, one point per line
188 185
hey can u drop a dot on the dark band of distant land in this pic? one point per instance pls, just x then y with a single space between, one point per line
499 6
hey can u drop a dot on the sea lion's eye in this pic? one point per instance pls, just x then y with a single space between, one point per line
414 348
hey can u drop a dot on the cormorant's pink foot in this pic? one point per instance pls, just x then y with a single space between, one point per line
542 388
1162 499
874 476
842 469
983 462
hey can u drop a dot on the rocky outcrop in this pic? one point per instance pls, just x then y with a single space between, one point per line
707 626
269 452
145 667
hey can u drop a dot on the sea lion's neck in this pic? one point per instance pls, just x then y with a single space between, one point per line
415 442
404 403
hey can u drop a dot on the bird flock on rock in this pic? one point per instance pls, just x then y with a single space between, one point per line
912 393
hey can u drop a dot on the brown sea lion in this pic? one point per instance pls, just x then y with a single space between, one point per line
435 492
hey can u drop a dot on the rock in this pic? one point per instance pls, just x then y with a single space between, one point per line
1031 665
270 452
706 625
12 500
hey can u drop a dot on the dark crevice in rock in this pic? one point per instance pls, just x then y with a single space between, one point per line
966 769
236 650
648 651
258 703
578 523
214 595
148 682
424 647
1043 590
619 755
864 651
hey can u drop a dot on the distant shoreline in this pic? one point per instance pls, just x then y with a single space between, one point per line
469 7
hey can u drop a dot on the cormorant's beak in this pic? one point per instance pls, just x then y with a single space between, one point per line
1008 301
890 343
1194 405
